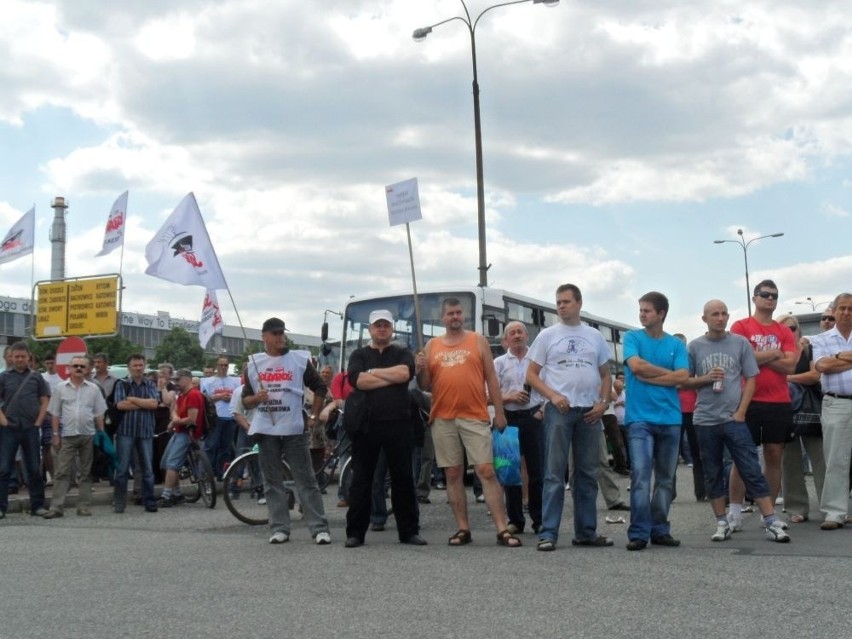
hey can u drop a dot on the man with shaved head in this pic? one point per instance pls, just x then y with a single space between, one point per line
723 369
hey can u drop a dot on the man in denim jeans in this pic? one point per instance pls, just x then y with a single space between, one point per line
569 365
656 364
723 369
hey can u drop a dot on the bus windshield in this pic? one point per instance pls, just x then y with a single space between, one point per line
357 314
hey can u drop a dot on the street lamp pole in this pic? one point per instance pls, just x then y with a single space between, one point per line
419 35
745 246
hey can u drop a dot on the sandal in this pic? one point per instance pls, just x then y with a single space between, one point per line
505 538
798 519
461 538
546 545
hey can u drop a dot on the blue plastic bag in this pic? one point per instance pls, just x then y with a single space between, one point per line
507 456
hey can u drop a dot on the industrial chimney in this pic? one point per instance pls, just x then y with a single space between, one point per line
57 239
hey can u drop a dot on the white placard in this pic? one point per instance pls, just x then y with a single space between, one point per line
403 202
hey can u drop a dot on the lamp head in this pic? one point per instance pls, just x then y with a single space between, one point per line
547 3
420 34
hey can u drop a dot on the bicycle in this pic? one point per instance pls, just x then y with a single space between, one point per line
195 477
339 456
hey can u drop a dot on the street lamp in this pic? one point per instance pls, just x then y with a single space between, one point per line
745 245
419 35
813 304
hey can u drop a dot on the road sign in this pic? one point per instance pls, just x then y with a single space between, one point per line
80 306
69 348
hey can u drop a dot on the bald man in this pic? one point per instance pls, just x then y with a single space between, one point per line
723 369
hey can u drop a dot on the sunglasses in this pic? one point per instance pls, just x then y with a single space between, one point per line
827 318
767 295
81 366
793 327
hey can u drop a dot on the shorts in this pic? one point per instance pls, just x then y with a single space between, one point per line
770 423
454 437
175 453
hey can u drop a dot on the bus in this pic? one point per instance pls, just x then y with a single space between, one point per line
486 311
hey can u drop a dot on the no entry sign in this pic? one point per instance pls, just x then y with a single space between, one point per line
69 348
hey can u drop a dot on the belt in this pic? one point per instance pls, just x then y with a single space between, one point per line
836 396
526 411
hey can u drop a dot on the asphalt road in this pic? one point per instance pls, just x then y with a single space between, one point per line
192 572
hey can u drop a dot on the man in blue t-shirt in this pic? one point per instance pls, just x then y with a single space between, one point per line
656 364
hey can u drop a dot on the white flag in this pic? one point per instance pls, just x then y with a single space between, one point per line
211 319
181 250
114 234
20 239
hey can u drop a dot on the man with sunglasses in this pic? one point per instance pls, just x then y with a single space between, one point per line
80 405
770 413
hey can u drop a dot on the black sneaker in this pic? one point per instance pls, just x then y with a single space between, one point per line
665 540
164 502
177 500
637 544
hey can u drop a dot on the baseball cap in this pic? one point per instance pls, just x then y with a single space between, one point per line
381 314
273 324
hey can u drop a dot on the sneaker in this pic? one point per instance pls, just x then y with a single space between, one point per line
776 532
177 500
279 538
261 501
480 499
40 512
637 544
665 540
322 539
164 502
723 532
84 512
52 514
735 524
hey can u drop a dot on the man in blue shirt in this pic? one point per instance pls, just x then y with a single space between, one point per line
656 363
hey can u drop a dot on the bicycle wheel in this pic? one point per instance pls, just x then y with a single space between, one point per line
204 477
243 489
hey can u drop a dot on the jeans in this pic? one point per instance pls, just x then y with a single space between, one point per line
561 431
379 507
274 449
531 439
29 439
219 444
697 467
712 441
653 449
124 447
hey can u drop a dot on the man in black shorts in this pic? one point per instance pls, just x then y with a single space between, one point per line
770 414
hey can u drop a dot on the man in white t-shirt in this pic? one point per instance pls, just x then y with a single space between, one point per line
569 366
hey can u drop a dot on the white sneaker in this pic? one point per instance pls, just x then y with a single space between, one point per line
322 539
279 538
776 532
735 523
261 501
723 532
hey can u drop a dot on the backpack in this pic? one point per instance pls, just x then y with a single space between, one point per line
210 415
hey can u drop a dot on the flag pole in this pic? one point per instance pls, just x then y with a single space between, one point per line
32 278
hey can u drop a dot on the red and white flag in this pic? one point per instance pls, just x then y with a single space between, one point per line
211 319
181 250
20 239
114 234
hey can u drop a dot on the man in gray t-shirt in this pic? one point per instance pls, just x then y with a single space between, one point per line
723 369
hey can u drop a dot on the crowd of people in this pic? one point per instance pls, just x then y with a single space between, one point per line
753 406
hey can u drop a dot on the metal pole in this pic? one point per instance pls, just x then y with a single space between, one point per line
480 177
748 286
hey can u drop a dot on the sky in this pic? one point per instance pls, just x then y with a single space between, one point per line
620 139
